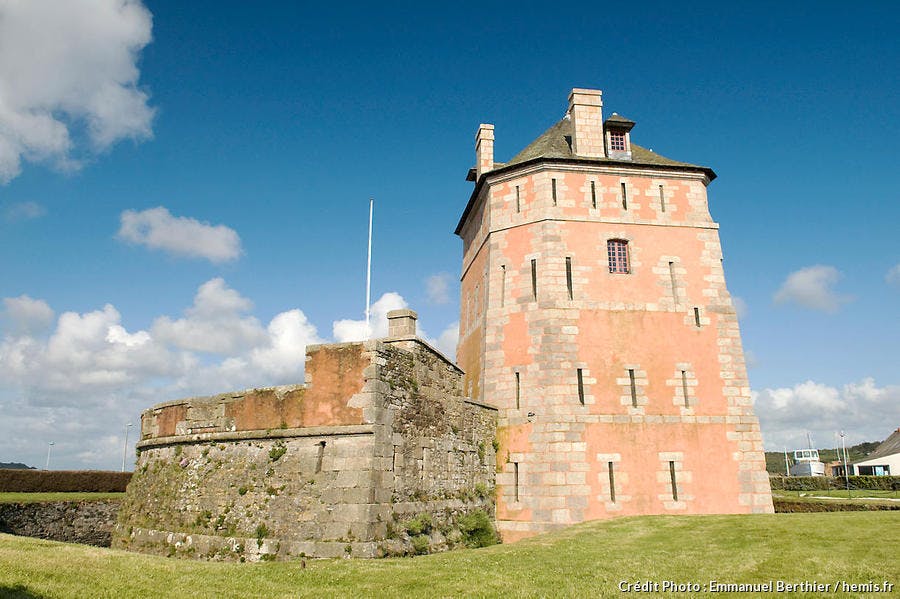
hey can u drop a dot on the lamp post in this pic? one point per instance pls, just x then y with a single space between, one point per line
846 474
125 447
49 447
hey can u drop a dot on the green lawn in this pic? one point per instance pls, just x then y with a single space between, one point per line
588 560
42 497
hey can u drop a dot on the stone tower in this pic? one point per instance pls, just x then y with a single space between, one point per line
594 315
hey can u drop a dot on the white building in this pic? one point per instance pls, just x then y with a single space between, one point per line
884 461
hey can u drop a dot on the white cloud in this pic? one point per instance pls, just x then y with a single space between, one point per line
92 357
215 323
25 314
21 211
156 228
68 65
86 354
437 288
740 307
863 410
355 330
284 354
448 340
893 275
812 287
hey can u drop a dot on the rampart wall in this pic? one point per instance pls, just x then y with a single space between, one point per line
378 437
88 522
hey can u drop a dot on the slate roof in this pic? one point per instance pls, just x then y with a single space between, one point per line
890 446
556 144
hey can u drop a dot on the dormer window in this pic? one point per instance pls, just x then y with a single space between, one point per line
617 130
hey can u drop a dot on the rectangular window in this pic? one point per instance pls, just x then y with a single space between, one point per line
320 454
518 390
553 183
612 484
672 476
617 251
534 279
684 388
633 387
672 278
518 202
516 482
593 195
569 275
502 285
624 197
662 198
617 141
580 386
697 316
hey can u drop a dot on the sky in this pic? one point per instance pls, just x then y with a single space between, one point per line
184 188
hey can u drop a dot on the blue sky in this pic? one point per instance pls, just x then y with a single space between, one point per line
258 132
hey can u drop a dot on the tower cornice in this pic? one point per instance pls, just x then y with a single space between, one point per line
600 166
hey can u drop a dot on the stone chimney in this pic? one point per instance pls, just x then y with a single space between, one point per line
402 323
484 150
586 112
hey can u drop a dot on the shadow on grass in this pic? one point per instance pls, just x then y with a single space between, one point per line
18 592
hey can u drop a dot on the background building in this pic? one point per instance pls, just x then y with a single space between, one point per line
884 461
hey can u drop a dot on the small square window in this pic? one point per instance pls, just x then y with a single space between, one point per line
617 249
617 141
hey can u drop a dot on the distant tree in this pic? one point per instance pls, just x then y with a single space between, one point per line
15 466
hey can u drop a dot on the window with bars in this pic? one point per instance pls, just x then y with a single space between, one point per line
617 141
617 249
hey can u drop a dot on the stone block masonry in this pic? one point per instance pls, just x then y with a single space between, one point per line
595 316
379 437
87 522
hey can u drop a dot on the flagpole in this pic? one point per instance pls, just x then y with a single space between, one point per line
369 269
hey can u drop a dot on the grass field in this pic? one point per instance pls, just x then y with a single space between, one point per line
44 497
588 560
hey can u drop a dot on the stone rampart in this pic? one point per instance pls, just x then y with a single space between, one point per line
378 453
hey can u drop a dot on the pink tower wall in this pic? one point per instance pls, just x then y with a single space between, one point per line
613 323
